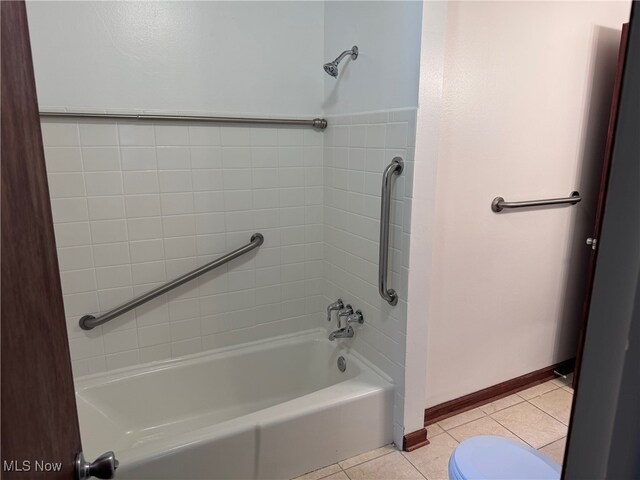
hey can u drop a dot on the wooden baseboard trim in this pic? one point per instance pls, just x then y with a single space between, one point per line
414 440
462 404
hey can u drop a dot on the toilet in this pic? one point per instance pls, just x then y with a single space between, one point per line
490 457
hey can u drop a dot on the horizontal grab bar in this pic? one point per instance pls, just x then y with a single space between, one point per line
319 123
498 203
89 322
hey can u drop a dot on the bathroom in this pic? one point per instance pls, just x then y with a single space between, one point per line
287 234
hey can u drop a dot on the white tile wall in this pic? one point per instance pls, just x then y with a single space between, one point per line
137 204
357 149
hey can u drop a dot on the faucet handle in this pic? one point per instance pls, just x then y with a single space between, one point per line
346 311
355 318
337 305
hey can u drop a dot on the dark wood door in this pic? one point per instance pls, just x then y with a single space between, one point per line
602 195
40 434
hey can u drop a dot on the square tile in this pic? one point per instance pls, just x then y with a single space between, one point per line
337 476
63 159
390 466
433 430
537 390
531 424
433 460
501 404
556 403
482 426
555 450
98 133
461 418
96 159
321 473
365 457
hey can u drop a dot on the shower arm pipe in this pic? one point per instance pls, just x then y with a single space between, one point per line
394 168
88 322
317 123
345 53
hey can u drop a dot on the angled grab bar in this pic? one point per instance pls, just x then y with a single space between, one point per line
498 203
89 322
395 167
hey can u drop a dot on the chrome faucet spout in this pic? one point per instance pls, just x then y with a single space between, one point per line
345 332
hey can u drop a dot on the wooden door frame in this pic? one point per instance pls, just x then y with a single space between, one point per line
39 416
604 430
602 196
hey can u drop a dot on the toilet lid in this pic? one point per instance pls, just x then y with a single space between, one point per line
493 457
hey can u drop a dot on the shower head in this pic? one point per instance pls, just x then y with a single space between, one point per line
332 67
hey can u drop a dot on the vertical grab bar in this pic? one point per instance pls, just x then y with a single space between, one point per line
395 167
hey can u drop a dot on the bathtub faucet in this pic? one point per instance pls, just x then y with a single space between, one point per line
337 305
351 318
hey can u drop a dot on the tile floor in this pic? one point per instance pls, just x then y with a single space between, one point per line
538 416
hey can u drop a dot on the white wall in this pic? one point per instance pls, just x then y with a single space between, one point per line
385 74
525 107
422 218
257 57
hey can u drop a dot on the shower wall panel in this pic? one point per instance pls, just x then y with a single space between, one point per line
357 149
137 204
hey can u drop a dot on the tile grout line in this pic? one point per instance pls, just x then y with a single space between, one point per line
489 414
513 433
550 443
366 461
409 460
547 413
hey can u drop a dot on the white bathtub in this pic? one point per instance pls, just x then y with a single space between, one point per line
266 410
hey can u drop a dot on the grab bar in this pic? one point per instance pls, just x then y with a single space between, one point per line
498 203
89 322
318 123
395 167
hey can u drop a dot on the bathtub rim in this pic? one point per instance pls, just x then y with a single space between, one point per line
319 334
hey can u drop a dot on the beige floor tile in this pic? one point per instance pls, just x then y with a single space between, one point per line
433 430
501 404
433 460
555 450
482 426
388 467
321 472
556 403
568 389
365 457
538 390
337 476
531 424
461 418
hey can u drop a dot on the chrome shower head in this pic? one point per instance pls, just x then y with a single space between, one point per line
332 67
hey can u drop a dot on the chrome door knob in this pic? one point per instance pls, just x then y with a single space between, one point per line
102 467
593 242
